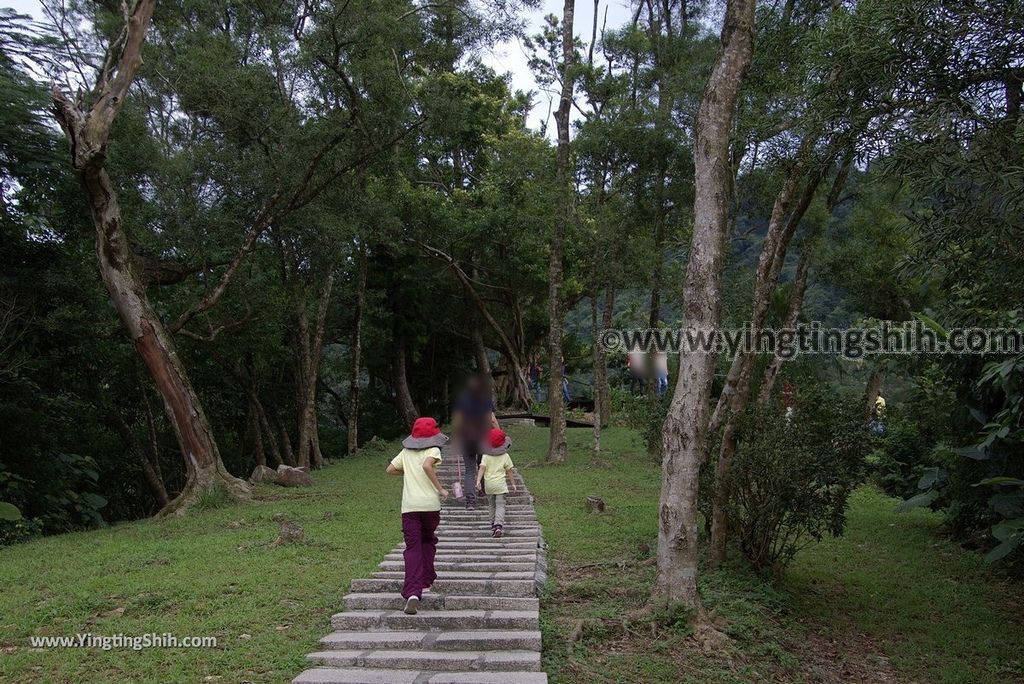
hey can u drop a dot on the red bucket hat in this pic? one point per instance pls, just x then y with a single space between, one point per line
425 434
497 443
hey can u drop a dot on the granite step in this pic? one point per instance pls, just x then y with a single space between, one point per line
458 587
487 542
346 675
442 661
489 566
479 624
436 619
456 640
437 601
459 574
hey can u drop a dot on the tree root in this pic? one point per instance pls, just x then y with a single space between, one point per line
233 487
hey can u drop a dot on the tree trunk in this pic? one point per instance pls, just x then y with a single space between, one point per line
268 432
400 383
602 392
510 350
661 124
88 133
255 434
311 350
685 431
286 441
557 448
738 386
599 363
796 299
483 366
781 226
205 469
150 468
356 351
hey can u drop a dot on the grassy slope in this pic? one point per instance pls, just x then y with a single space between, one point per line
212 573
898 597
891 599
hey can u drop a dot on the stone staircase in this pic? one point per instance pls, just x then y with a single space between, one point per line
478 624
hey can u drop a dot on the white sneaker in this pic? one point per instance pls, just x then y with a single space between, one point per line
412 604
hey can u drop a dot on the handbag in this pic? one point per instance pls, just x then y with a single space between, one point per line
457 485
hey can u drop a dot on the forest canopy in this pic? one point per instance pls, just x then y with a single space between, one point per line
241 234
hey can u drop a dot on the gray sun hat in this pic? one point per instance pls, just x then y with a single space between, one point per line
488 450
425 426
438 440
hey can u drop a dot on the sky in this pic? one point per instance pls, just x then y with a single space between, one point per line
503 57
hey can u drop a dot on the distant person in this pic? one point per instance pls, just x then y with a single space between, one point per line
661 372
496 475
534 378
788 401
422 495
473 416
566 392
877 424
636 362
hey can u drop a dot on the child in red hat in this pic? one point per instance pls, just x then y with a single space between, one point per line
422 494
497 474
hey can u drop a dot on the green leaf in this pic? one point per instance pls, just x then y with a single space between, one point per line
923 499
972 452
1008 503
932 325
94 500
1003 550
9 512
929 478
1001 480
1008 529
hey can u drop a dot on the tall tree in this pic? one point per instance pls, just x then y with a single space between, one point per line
685 429
87 128
557 448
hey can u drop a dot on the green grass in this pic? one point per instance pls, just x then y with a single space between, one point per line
891 600
892 597
215 573
937 611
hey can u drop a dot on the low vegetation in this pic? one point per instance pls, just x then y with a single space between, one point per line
216 573
892 599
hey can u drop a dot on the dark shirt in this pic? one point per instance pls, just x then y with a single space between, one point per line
474 412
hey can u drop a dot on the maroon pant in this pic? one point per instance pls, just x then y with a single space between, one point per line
420 547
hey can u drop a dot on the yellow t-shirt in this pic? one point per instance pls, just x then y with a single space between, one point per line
418 493
494 473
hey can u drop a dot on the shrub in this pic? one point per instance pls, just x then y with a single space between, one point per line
63 501
903 456
645 414
791 479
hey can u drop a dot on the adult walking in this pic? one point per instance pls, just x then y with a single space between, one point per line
473 418
661 372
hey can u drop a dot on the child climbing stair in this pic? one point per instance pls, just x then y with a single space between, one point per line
497 474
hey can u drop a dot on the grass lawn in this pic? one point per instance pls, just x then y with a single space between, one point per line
892 600
213 573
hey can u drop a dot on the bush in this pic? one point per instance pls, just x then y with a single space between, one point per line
644 414
903 455
62 501
791 479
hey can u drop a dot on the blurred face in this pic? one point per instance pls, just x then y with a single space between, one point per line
476 384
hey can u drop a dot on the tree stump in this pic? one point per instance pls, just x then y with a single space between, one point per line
595 504
290 532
